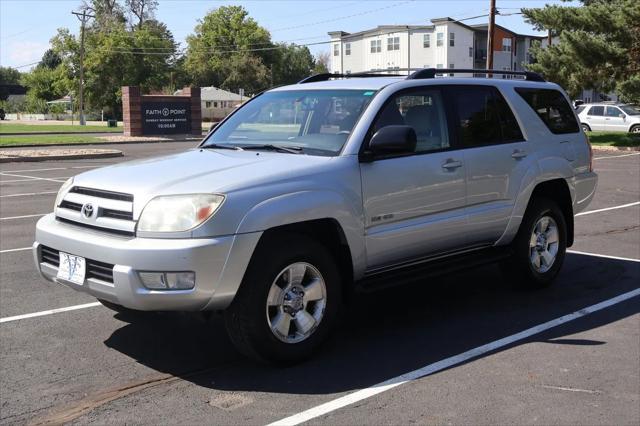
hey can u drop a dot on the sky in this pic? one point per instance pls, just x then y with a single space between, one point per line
26 26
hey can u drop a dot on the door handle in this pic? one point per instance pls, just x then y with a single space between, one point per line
451 164
517 154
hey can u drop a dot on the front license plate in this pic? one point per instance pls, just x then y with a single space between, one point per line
72 268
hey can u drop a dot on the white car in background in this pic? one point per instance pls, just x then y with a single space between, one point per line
609 117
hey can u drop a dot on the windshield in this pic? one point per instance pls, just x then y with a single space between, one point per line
316 121
630 110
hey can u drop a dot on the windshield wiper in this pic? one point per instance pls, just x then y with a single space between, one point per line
221 146
279 148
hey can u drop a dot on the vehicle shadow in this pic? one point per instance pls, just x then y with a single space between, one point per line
391 332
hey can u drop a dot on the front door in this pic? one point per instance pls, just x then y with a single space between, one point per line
615 120
414 205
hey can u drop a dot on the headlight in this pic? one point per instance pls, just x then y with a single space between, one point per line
63 191
177 213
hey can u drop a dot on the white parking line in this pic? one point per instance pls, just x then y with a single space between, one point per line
616 156
33 177
362 394
23 217
609 208
16 249
50 169
628 259
28 194
49 312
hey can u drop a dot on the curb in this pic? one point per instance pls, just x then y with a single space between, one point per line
615 148
57 133
35 145
61 157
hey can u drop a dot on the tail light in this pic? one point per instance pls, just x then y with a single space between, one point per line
590 153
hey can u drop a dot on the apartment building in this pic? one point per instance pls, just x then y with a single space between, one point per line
444 44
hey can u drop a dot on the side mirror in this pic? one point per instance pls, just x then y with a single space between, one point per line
392 141
621 115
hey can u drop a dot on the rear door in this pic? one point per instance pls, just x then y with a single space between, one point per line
615 119
496 156
595 118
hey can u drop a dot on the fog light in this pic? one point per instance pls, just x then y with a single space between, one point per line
168 280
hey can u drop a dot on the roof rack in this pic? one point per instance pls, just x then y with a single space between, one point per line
421 73
432 72
326 76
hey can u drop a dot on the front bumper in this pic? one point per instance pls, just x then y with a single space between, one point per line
219 265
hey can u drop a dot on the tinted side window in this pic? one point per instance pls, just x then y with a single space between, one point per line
508 124
596 110
552 108
422 109
613 112
477 116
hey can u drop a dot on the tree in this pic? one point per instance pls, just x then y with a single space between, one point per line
322 62
45 84
224 38
599 46
141 10
106 12
9 75
50 59
293 64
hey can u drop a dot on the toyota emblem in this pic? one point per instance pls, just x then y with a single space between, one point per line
87 210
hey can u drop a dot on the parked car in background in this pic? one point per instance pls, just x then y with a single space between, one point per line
609 117
309 191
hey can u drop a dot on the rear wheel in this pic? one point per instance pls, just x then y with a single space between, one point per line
540 245
288 301
585 128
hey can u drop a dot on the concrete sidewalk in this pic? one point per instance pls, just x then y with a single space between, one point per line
23 155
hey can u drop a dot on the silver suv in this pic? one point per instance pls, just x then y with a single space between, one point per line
315 189
609 117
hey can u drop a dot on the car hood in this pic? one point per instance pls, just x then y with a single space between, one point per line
196 171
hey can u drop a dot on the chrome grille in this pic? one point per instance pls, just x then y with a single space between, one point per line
98 209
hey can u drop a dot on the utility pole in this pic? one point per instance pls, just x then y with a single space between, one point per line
549 38
491 30
84 18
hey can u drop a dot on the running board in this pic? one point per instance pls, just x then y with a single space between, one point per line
431 267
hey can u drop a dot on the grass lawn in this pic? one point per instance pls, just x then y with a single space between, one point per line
614 138
43 128
6 141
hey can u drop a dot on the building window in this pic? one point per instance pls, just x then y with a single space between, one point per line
452 39
452 66
506 45
376 46
207 104
439 39
215 105
336 50
471 52
393 43
426 40
348 72
439 66
347 49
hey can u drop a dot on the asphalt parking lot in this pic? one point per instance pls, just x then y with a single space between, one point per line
477 350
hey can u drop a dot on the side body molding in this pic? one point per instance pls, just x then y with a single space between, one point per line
311 205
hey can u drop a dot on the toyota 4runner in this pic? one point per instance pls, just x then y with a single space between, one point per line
310 190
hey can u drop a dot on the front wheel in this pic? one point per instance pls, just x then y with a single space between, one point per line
287 302
585 128
635 129
540 245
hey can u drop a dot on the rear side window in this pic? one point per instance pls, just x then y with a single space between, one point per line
580 109
552 108
596 110
483 117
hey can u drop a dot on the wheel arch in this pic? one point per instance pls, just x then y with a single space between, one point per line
558 191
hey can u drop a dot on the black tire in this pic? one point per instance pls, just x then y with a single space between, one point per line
519 267
246 319
635 129
585 128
